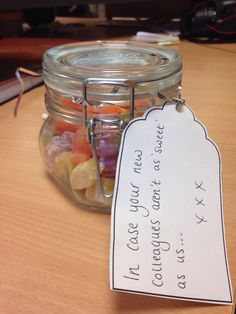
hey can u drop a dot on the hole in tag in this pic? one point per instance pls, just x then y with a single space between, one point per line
180 107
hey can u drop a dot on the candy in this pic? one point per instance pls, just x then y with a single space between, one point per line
93 194
58 144
84 175
62 126
81 150
64 166
79 196
108 149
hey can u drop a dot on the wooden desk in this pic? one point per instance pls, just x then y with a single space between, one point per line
54 256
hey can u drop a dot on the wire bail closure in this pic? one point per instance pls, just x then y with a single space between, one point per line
90 124
178 101
119 124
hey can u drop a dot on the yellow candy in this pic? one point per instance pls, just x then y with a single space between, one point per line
93 195
84 175
63 166
79 196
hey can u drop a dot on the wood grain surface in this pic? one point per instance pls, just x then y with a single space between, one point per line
54 256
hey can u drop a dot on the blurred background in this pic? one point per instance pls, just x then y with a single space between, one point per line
28 28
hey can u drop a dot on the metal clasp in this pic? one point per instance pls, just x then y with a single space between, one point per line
90 124
179 102
115 83
92 135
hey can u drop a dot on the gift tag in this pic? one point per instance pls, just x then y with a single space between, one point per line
167 212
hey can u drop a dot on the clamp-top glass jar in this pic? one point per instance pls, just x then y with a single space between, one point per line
92 91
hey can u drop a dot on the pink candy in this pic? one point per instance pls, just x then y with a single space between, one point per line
59 143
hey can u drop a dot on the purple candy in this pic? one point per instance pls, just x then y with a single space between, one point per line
108 149
58 144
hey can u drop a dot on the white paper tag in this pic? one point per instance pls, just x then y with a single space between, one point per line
167 213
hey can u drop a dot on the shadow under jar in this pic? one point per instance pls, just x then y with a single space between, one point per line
93 89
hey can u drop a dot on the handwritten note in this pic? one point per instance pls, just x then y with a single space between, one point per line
167 212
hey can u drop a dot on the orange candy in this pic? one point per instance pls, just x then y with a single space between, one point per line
106 109
81 149
62 126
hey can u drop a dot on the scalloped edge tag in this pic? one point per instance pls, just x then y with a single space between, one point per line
167 227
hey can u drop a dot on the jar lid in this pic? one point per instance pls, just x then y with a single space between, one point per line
68 65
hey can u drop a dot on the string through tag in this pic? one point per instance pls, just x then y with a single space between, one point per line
180 102
18 72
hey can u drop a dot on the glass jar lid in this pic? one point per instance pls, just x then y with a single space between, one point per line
66 67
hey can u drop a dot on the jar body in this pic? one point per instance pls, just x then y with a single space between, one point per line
92 91
68 155
68 158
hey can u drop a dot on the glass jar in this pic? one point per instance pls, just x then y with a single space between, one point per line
93 89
